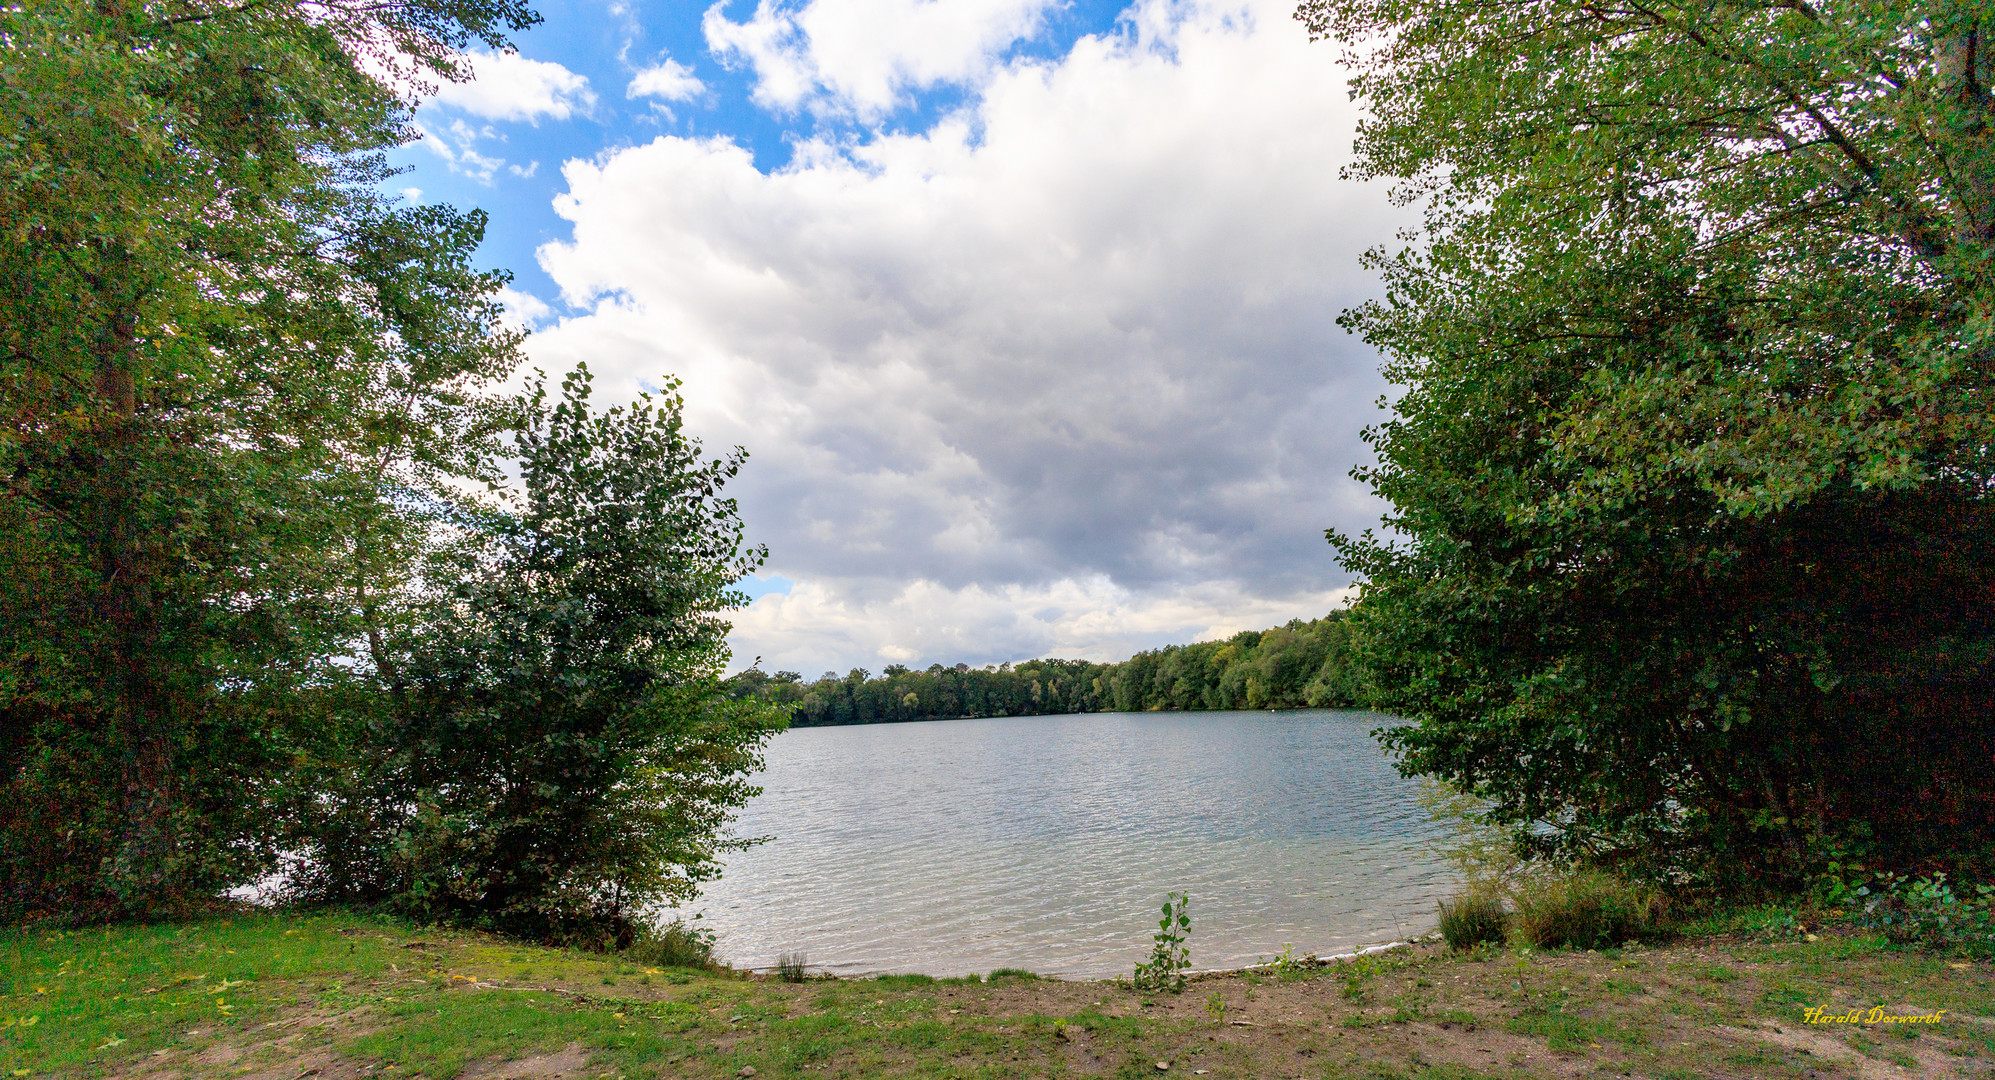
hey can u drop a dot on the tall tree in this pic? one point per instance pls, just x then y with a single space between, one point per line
1691 476
220 354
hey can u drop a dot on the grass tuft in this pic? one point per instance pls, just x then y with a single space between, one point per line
1473 918
792 967
674 945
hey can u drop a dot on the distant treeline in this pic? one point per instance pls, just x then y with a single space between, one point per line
1301 664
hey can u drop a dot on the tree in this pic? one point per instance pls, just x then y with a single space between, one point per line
1691 475
221 354
556 753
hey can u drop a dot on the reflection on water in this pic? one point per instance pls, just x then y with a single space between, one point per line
1048 843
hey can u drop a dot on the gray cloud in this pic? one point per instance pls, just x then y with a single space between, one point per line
1060 374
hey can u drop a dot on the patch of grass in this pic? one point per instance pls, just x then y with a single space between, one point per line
1788 999
1019 974
440 1034
1760 920
78 998
903 982
1564 1031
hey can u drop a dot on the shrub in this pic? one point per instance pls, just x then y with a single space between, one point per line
1928 912
676 944
1472 918
1586 909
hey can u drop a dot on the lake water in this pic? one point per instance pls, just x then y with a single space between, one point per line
1048 843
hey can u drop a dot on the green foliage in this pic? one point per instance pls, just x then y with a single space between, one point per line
1473 918
1292 666
1690 475
1299 664
1585 909
1928 912
555 753
1036 687
227 368
1169 959
1482 854
1288 966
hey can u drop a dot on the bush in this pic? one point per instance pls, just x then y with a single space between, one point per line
675 944
1586 909
1472 918
1928 912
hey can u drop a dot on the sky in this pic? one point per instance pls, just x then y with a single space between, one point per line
1025 311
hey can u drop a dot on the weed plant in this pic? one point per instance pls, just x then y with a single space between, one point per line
1165 970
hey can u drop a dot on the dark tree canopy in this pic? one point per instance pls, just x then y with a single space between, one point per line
1690 546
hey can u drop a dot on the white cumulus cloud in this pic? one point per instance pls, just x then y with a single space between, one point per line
863 56
667 79
508 86
1059 375
923 622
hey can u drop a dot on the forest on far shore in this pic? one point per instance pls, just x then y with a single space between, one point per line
1296 665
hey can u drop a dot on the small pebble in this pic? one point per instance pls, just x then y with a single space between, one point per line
1163 1066
746 1070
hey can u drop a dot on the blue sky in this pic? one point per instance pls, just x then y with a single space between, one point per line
607 42
1025 311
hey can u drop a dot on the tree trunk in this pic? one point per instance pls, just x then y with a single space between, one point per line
127 605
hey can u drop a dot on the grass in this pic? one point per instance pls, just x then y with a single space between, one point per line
272 995
1473 918
1585 910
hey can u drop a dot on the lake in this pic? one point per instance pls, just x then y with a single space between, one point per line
1049 842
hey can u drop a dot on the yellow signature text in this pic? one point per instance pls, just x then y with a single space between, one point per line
1874 1015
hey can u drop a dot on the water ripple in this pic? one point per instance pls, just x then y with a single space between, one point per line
1047 843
